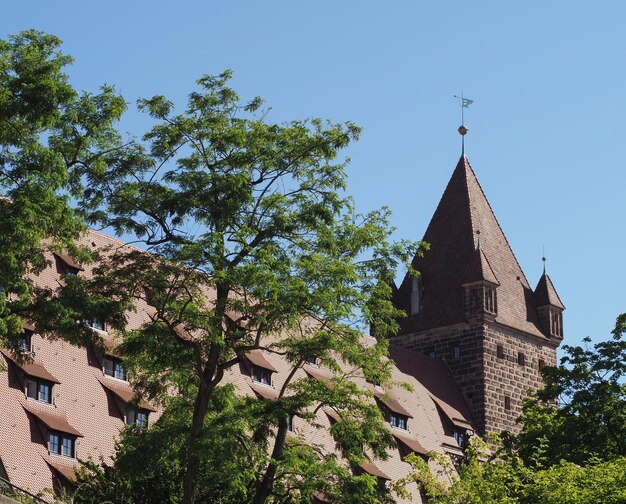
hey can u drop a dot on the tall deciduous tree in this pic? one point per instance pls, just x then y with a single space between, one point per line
580 413
49 133
253 244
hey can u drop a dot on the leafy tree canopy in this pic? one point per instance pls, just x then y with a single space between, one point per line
49 134
580 414
253 244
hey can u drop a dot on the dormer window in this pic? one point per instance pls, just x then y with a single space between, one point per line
261 375
114 368
95 323
61 443
312 360
39 390
26 341
460 437
138 417
260 368
398 420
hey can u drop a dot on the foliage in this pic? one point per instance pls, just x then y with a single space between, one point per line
580 414
502 477
49 133
252 245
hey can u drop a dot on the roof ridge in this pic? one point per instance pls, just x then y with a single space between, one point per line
495 218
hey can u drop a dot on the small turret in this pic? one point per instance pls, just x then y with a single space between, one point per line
549 306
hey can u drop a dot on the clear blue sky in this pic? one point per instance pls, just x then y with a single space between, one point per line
546 128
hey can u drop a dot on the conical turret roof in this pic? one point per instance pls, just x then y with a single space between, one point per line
545 293
464 216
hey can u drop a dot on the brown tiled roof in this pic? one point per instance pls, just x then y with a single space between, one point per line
65 469
462 211
69 261
393 404
479 270
257 358
34 369
264 391
452 414
332 414
371 468
319 374
545 293
436 378
409 441
124 391
50 417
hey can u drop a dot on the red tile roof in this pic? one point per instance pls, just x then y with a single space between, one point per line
545 293
257 358
123 391
452 234
64 468
34 369
452 414
372 469
319 374
265 391
435 376
392 403
50 417
69 261
409 441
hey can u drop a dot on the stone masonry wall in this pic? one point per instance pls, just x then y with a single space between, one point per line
494 387
509 377
466 366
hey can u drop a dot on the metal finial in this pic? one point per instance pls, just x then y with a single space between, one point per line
543 258
465 103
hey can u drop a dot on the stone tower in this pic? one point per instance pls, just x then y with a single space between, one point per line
473 307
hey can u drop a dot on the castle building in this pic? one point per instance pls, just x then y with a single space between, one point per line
471 347
473 307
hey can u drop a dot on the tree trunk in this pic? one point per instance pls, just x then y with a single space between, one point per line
266 485
201 406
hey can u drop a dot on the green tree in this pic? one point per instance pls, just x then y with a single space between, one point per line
494 474
49 134
580 413
252 244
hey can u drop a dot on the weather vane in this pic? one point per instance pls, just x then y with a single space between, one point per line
465 103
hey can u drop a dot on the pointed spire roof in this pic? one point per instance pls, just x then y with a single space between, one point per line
545 293
479 270
452 233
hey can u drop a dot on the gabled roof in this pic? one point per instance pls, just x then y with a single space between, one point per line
453 237
545 293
